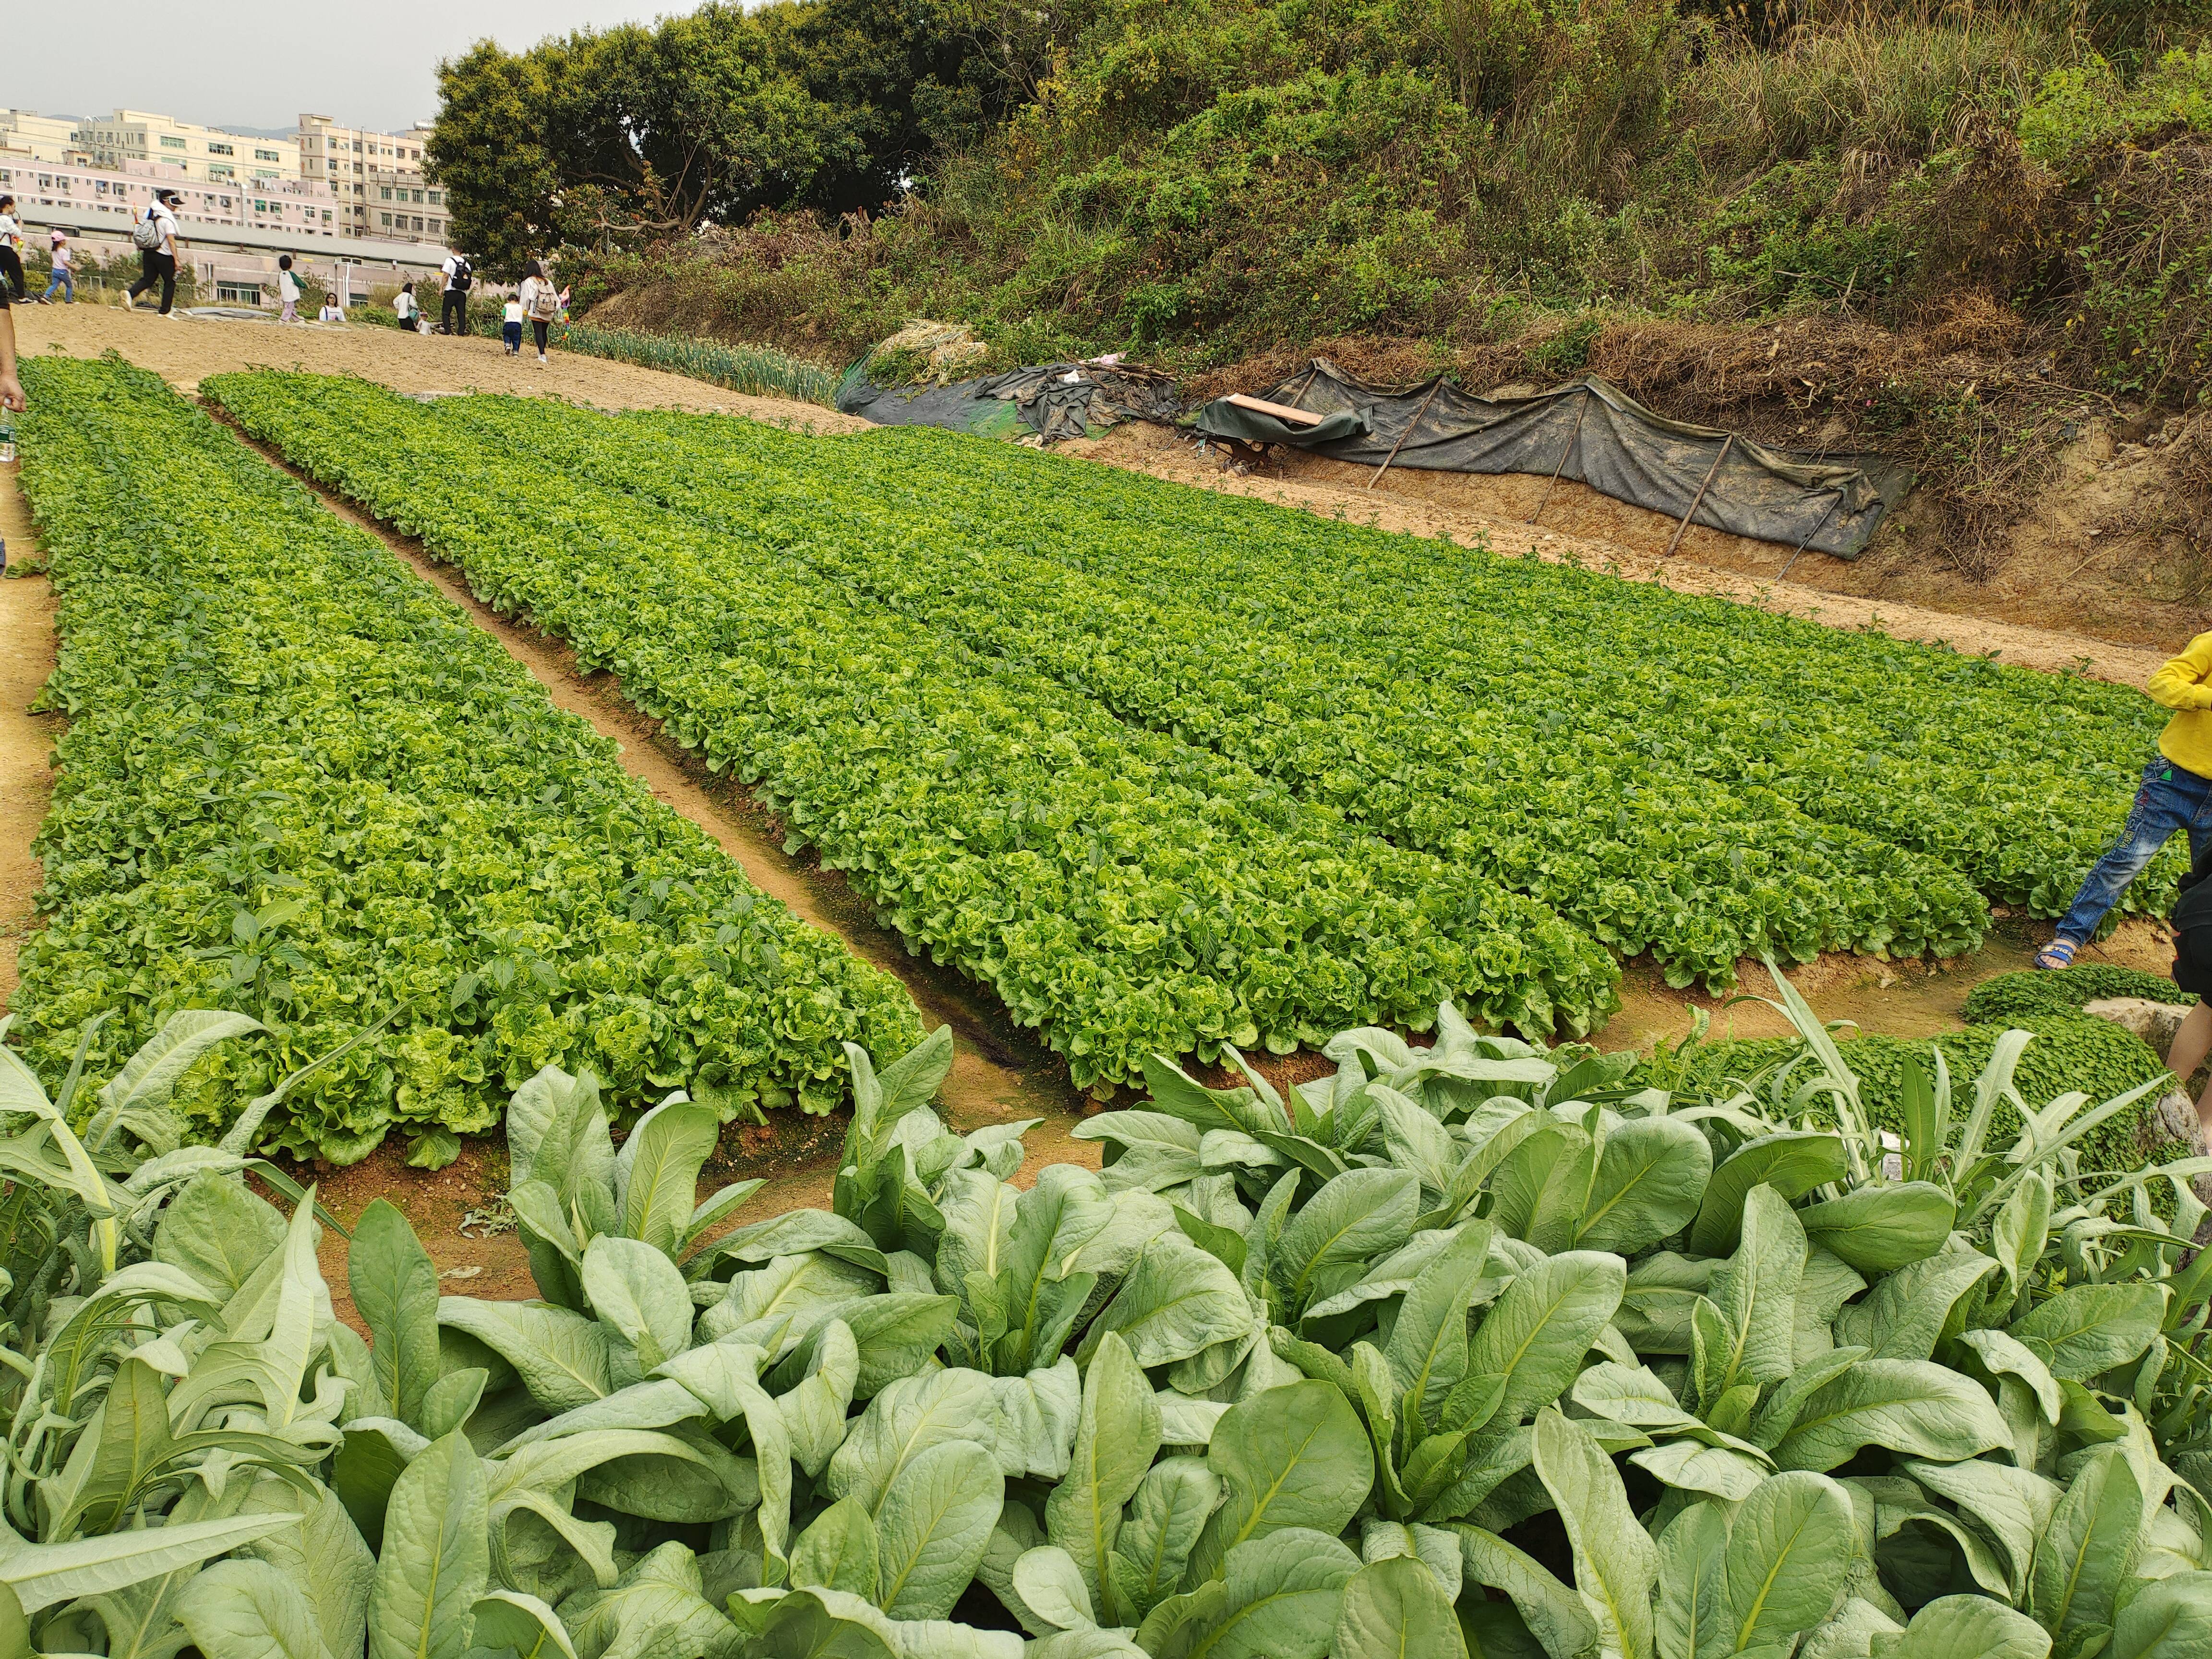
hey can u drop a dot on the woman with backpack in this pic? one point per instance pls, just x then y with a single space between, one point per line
154 234
541 303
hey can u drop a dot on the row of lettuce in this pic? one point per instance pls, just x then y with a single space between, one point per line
1468 1351
1673 775
1164 770
297 780
1122 889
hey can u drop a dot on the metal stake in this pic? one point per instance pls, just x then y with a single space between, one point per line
1814 531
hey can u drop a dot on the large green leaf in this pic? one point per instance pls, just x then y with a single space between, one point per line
1756 1291
1792 1162
1789 1551
1359 1214
436 1559
1278 1598
2083 1556
1651 1175
1294 1455
1965 1627
2168 1618
1158 1533
1428 1343
1116 1439
657 1172
562 1357
218 1232
1912 1407
249 1610
1616 1564
838 1551
1553 1613
395 1287
1904 1316
1879 1229
1692 1614
1395 1609
931 1528
2090 1328
1178 1301
637 1290
41 1575
1536 1335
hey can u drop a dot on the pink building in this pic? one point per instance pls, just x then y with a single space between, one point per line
304 207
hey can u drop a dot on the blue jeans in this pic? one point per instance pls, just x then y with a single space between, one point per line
2170 799
66 283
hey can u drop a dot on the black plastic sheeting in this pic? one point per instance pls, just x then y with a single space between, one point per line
1596 435
1049 401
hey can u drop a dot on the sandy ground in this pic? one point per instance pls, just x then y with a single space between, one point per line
1002 1072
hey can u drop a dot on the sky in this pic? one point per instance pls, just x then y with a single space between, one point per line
367 63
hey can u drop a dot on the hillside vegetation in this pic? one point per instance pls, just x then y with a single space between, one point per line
1952 230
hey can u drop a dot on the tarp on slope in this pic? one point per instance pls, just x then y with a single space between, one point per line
1049 401
1596 435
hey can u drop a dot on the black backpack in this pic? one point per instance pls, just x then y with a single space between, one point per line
463 275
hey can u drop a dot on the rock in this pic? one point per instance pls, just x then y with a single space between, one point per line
2155 1022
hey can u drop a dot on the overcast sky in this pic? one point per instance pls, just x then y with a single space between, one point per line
367 64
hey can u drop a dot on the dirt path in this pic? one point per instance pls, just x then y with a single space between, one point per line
27 657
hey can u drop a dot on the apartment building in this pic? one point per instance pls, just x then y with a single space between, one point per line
377 178
205 155
25 135
287 204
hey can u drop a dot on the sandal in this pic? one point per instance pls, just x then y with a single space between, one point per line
2059 953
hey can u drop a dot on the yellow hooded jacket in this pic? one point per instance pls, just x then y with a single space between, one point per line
2182 685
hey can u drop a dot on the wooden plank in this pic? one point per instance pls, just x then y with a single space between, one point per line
1280 412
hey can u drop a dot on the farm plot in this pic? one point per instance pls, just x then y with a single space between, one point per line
1123 890
1641 850
298 783
1675 776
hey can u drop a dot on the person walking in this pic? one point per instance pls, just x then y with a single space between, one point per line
11 253
154 233
63 274
404 306
510 326
2175 795
454 311
288 290
541 303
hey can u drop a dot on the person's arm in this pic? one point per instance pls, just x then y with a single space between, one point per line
11 389
2179 682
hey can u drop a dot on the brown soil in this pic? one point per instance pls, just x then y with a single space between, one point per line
27 657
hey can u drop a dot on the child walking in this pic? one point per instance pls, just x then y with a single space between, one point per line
510 327
287 290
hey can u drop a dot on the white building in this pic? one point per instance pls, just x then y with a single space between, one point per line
278 203
377 179
25 135
206 154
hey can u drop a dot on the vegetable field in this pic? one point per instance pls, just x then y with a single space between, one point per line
1462 1352
1666 775
298 782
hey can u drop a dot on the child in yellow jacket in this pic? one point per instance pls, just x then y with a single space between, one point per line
2176 794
